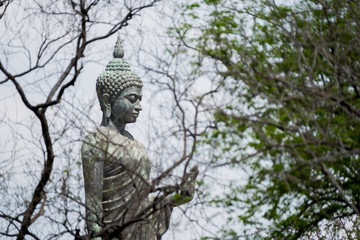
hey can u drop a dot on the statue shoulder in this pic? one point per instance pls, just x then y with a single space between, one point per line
96 138
103 143
93 146
89 142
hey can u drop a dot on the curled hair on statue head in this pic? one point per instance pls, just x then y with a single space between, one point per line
116 77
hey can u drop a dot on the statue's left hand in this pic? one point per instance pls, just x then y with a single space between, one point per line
187 187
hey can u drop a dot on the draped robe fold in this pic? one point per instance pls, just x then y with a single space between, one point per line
116 175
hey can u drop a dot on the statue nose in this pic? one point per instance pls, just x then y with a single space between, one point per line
137 106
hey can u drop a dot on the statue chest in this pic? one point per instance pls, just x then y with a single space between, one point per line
125 156
125 177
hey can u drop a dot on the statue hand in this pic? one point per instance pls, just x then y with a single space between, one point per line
187 186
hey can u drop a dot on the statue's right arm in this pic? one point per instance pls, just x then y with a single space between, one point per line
92 161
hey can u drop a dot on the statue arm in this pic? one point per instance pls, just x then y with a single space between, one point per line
161 218
93 179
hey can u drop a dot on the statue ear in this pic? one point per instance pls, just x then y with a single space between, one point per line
107 104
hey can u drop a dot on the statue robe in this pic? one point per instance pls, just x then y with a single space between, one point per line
116 175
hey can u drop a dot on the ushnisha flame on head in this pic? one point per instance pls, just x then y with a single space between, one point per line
117 76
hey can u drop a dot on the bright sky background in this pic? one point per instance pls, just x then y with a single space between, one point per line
146 32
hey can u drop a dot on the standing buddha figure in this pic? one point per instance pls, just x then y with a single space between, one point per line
116 167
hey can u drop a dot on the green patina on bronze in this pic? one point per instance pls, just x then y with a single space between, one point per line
116 166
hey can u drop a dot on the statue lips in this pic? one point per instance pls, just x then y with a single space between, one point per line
135 114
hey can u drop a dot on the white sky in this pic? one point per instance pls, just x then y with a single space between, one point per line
143 31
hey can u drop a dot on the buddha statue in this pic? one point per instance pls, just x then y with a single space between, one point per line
116 167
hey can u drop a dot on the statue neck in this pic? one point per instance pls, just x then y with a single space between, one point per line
114 126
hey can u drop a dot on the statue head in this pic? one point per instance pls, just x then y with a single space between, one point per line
119 89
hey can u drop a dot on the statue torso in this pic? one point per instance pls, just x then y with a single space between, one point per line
124 167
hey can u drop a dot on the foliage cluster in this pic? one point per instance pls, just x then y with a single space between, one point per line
292 72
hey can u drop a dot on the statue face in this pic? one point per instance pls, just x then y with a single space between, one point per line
126 107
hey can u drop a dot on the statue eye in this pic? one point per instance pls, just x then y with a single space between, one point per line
131 98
